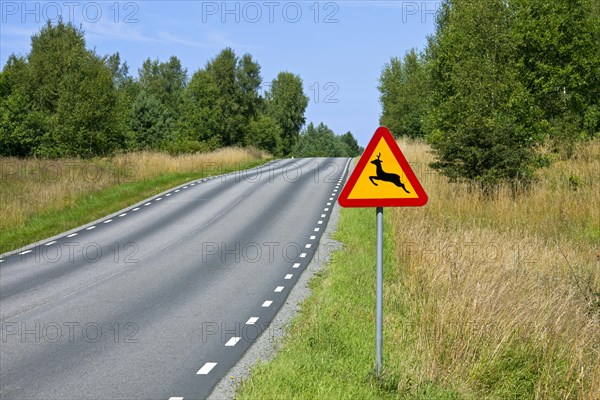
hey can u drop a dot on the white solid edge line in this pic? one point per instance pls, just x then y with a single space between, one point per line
278 289
267 304
288 276
206 368
50 243
233 341
296 265
251 320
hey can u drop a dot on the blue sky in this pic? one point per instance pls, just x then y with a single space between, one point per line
337 47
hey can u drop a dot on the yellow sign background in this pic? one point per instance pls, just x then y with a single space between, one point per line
364 189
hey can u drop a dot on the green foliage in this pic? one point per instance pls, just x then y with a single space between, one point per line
498 78
403 87
321 141
286 103
64 100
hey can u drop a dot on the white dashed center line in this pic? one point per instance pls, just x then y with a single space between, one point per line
252 321
289 276
233 341
50 243
297 265
206 368
267 304
278 289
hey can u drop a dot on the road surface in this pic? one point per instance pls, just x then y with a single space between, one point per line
160 300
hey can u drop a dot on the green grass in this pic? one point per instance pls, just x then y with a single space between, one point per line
92 206
329 352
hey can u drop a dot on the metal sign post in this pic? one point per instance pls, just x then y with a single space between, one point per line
372 184
379 301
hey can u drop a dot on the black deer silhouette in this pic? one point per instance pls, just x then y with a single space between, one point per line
384 176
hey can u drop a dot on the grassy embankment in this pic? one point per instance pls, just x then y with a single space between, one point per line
483 298
41 198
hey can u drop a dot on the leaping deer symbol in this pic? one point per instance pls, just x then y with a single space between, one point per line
384 176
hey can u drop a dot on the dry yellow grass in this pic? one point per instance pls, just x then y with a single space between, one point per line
504 289
31 186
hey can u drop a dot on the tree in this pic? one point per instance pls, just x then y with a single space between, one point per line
265 134
482 120
150 122
62 99
320 141
353 147
286 104
403 86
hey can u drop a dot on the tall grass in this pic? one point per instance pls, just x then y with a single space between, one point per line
31 187
503 293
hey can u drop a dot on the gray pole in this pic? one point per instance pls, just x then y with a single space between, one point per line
379 303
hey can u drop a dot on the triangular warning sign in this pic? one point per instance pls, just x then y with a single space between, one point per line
382 177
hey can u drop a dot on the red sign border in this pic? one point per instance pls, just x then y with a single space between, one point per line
383 132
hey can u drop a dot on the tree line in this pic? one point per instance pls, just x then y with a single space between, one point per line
63 100
497 80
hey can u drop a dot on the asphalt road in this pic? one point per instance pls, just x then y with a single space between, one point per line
160 300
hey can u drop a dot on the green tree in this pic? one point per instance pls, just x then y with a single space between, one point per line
353 146
150 122
483 120
62 99
404 92
286 104
265 134
320 141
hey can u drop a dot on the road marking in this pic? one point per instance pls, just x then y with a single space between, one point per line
233 341
122 215
267 304
185 187
288 276
334 191
317 229
326 209
278 289
167 195
25 252
193 184
206 368
313 237
319 222
302 255
177 190
328 204
307 246
135 209
331 198
252 321
90 228
72 234
296 265
323 215
107 221
50 243
175 398
147 204
159 199
1 261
